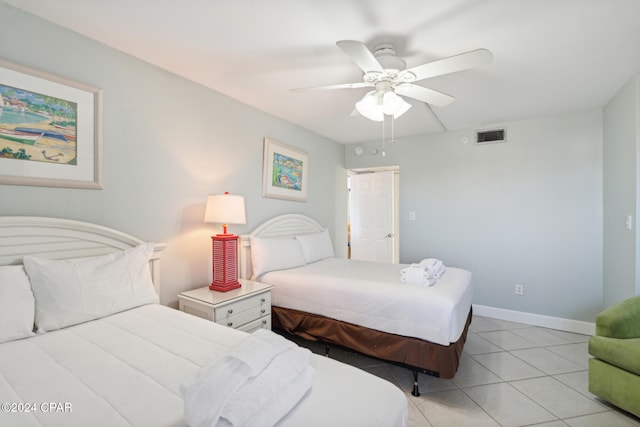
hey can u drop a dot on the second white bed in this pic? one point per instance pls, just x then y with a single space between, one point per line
371 295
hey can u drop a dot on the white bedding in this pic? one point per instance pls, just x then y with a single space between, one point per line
126 369
370 294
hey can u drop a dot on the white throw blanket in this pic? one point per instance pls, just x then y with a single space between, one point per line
425 273
258 382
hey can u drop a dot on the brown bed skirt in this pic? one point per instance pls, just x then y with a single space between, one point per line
425 356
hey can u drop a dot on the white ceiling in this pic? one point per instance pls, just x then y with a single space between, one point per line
550 56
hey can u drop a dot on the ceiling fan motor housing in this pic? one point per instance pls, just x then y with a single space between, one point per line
386 56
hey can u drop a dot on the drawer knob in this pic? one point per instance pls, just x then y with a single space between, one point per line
229 323
263 311
263 300
230 311
264 322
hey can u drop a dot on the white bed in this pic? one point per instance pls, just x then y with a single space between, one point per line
357 304
126 368
371 295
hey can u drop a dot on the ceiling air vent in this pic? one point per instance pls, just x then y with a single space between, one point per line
491 136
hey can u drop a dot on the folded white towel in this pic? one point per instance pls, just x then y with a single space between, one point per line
259 349
283 401
206 398
415 274
268 397
435 266
432 263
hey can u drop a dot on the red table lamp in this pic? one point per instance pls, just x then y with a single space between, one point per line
225 209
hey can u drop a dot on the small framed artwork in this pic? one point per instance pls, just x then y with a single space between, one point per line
50 130
285 172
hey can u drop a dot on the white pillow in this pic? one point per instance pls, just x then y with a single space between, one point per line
274 254
16 304
73 291
316 246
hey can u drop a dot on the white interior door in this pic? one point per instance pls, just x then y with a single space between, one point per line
372 217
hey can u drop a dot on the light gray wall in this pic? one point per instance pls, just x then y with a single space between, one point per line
528 211
620 160
168 143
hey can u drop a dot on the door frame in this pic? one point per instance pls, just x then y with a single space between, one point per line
395 202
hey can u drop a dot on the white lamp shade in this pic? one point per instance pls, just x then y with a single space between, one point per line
404 107
225 209
390 102
374 105
368 107
394 105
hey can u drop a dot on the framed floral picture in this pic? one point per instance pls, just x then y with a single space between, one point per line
50 130
285 172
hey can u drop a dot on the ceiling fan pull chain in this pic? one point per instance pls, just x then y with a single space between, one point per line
393 121
383 120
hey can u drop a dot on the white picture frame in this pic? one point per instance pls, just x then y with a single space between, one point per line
65 115
285 172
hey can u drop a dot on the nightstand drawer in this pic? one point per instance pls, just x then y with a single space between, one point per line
253 305
239 319
262 323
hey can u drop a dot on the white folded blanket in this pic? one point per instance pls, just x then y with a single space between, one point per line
416 274
262 377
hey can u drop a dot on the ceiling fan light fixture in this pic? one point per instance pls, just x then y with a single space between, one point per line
369 107
393 81
394 105
375 105
404 107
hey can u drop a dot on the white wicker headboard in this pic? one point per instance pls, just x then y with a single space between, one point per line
288 225
58 238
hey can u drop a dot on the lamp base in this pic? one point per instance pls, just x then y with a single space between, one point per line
224 263
224 287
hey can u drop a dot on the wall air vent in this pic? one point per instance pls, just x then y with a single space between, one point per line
491 136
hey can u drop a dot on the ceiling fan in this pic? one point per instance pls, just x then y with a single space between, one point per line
391 80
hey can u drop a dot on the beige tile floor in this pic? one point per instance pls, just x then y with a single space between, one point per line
511 374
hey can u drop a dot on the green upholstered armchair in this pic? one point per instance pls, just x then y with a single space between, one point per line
614 370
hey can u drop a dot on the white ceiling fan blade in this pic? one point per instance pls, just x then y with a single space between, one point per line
460 62
361 55
424 94
331 87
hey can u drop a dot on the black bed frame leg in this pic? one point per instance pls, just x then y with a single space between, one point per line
326 350
415 391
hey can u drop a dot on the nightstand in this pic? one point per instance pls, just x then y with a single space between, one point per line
247 308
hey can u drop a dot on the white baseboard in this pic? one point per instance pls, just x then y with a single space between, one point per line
569 325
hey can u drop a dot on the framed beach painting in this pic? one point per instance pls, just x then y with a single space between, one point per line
285 172
50 130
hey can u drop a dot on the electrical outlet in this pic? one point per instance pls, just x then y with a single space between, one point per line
519 289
